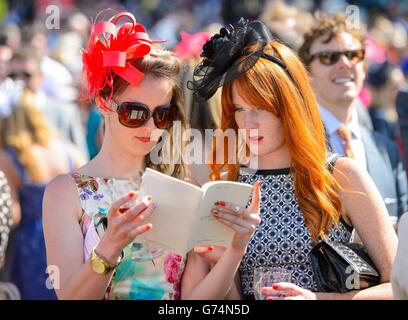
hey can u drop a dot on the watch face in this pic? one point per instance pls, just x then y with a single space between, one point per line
99 267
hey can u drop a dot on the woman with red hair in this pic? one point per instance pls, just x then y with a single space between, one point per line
304 197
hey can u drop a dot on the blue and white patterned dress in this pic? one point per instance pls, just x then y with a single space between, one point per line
282 239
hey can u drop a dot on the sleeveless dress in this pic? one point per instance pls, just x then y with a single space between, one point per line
154 274
282 239
27 256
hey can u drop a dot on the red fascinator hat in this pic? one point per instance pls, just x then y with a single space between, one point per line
110 47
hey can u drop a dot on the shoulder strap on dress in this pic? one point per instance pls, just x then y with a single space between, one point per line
17 163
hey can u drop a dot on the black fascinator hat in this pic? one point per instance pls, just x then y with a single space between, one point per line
226 56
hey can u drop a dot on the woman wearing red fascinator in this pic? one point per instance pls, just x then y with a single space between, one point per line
89 230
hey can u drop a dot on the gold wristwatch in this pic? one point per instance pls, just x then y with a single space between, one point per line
100 265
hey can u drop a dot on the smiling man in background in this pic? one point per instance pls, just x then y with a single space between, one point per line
334 53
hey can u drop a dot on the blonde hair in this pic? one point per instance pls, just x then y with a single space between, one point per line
25 126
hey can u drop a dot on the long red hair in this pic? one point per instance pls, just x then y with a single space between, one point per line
289 96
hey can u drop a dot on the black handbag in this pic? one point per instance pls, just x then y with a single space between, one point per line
342 267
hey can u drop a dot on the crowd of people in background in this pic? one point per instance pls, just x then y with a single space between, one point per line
48 128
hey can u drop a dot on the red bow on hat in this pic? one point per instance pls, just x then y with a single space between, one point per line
109 50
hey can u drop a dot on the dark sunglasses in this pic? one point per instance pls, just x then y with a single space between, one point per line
329 58
19 75
137 114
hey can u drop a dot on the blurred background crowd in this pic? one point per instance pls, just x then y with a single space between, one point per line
54 130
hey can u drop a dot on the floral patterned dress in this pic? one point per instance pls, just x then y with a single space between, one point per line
145 273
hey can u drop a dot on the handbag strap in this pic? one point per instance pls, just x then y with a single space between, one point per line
331 160
354 254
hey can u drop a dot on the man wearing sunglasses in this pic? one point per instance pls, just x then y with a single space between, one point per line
333 52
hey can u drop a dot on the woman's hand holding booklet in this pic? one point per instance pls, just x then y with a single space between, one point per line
184 215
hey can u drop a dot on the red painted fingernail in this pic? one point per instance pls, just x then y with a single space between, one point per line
210 248
123 209
275 286
269 298
131 194
149 227
221 203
